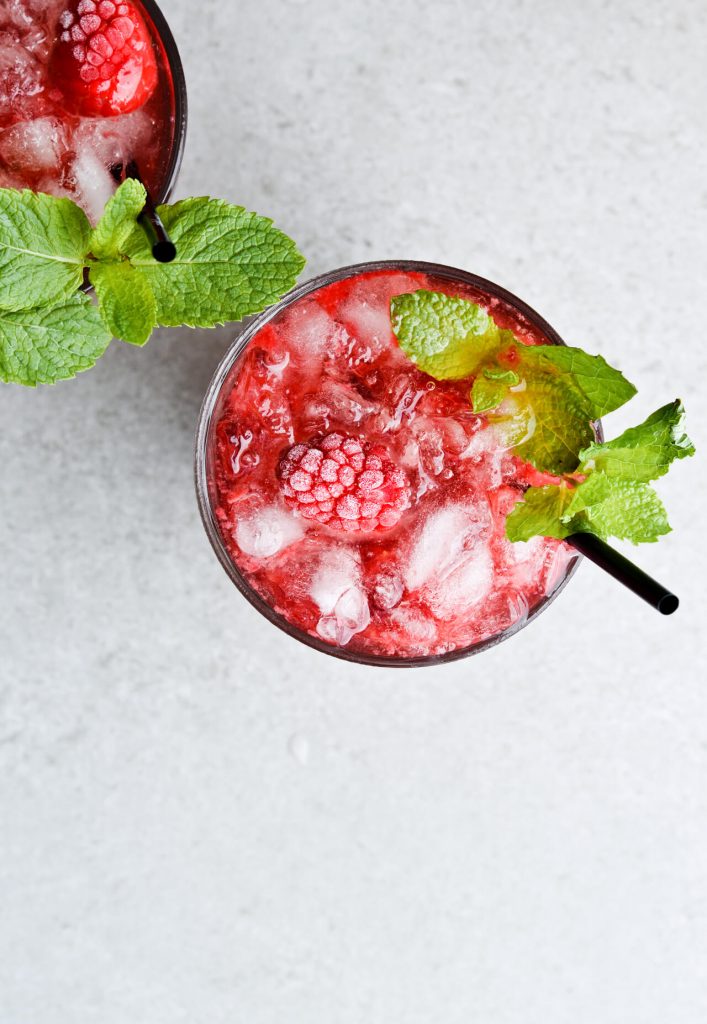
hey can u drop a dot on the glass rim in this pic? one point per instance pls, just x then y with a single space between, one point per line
213 392
179 88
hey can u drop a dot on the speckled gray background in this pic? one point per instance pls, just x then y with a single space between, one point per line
203 821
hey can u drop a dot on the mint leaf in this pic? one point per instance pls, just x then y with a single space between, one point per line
557 391
565 389
43 345
43 245
111 234
230 263
613 498
487 394
644 452
547 422
448 338
610 507
126 301
601 505
491 386
602 387
540 513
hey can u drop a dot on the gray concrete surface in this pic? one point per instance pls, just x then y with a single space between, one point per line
202 820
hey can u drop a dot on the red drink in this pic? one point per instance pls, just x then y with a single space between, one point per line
404 557
63 127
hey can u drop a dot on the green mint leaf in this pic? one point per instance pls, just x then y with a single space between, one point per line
487 394
43 246
565 389
610 507
50 343
601 505
644 452
601 387
543 398
540 513
448 338
547 422
111 234
126 301
491 386
229 263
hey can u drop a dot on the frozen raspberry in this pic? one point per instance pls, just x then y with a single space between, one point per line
344 484
104 60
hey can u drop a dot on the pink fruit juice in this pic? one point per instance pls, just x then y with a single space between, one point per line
85 86
361 503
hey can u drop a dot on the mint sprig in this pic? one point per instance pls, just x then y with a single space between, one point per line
230 263
625 509
543 400
609 493
544 397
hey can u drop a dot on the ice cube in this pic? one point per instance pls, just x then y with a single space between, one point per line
92 182
338 571
449 561
265 530
21 81
336 402
484 458
34 20
457 589
24 14
525 559
440 544
34 146
514 421
402 396
366 313
368 319
310 334
558 563
114 140
336 590
418 627
387 589
518 610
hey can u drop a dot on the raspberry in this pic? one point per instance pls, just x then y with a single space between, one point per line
104 59
344 484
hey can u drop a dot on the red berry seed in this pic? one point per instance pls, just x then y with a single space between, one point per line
344 484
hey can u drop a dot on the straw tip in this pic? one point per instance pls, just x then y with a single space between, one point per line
668 604
164 251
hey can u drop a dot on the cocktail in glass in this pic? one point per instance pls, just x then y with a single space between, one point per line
74 138
359 504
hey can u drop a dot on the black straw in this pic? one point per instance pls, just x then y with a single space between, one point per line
625 572
163 248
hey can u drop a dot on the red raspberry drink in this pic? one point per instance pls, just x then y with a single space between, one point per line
358 503
86 86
